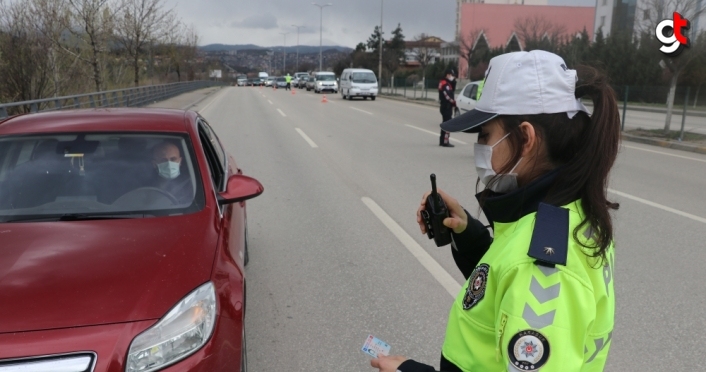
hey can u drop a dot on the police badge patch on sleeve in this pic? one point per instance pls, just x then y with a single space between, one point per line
528 350
476 286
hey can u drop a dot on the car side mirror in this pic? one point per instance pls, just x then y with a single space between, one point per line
240 188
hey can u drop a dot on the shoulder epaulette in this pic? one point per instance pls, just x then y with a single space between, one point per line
550 238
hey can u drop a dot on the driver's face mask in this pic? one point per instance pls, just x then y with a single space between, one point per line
168 170
483 155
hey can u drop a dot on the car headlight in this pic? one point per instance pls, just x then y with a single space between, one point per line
180 333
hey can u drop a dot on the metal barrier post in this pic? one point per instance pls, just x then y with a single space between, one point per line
683 114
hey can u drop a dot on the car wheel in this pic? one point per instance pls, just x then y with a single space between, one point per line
373 98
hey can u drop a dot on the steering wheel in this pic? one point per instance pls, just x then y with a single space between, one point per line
145 193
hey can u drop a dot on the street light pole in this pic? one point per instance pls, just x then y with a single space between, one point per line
284 52
321 32
297 27
380 63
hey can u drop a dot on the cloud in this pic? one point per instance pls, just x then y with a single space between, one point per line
264 21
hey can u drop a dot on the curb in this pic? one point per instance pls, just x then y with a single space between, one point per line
627 137
664 143
401 99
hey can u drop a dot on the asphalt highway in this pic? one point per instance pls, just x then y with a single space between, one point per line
336 253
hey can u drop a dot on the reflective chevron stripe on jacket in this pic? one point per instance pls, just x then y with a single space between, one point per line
551 309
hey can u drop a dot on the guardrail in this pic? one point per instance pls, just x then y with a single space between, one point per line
130 97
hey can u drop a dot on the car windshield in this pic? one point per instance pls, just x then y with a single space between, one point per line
97 174
281 79
325 77
363 77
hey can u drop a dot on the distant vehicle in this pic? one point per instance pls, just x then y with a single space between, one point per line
269 81
358 82
466 99
300 79
241 80
263 77
325 81
253 82
302 82
310 83
280 82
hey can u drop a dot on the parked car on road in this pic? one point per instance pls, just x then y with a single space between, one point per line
124 243
301 78
269 81
325 81
310 83
241 80
357 82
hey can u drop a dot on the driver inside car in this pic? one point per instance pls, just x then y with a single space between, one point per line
166 160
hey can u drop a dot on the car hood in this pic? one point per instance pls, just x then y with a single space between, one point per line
80 273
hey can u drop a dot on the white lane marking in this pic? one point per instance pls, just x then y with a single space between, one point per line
664 153
660 206
355 108
270 102
436 134
281 113
306 138
438 272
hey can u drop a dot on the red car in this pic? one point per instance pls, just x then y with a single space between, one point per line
123 242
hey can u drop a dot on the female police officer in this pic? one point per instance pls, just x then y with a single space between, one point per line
539 294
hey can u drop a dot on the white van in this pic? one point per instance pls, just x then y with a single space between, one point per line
358 82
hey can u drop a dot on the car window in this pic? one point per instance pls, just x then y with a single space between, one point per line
214 153
325 77
363 77
93 173
474 91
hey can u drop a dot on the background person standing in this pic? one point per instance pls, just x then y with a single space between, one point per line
447 86
288 79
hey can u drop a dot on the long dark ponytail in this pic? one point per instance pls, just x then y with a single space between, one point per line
585 148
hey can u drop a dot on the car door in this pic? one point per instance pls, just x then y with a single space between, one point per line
466 100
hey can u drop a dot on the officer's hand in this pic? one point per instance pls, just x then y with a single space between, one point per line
458 220
388 363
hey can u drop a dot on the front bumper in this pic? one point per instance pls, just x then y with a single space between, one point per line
110 343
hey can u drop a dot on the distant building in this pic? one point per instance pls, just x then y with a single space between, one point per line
429 46
449 52
459 3
494 25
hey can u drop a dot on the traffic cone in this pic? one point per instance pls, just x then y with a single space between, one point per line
293 91
324 100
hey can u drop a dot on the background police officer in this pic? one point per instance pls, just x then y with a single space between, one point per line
447 86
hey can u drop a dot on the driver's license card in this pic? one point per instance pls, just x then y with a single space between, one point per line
374 346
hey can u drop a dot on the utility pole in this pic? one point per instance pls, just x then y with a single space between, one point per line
380 62
321 32
297 27
284 52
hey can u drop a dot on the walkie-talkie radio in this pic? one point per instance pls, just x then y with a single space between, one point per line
434 213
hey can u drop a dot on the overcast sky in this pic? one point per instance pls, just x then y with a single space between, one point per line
345 23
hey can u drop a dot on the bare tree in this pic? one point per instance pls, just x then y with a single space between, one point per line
181 48
650 14
425 53
139 23
538 32
468 47
24 64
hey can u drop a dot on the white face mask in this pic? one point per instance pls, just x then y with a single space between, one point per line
451 78
168 170
483 155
